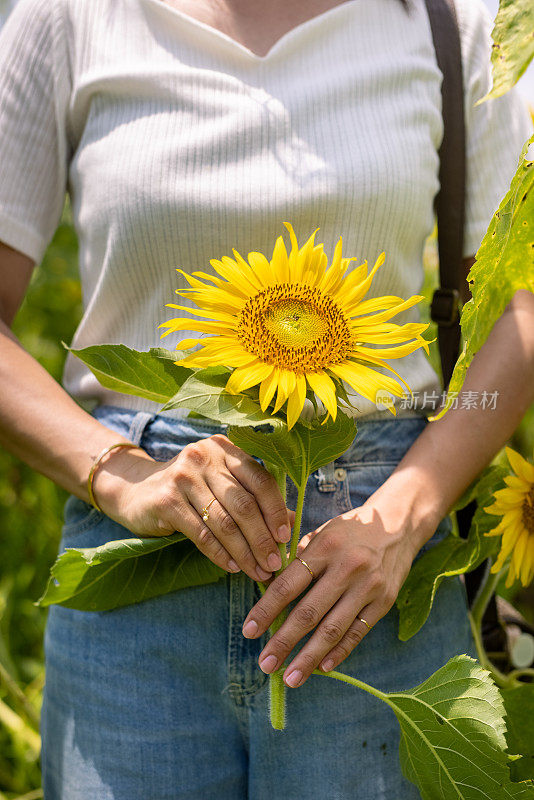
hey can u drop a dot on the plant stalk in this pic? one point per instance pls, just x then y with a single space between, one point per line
340 676
475 618
484 596
298 511
277 688
527 672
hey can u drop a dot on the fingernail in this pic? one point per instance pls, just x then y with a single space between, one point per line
262 575
294 678
268 664
327 665
284 533
274 561
233 566
250 628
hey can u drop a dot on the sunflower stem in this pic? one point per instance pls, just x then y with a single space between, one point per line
300 505
475 618
277 688
340 676
527 672
484 596
280 476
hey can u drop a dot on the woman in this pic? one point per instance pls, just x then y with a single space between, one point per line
183 129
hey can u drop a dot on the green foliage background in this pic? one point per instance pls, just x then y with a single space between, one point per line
31 509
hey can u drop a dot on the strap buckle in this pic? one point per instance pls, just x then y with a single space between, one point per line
444 307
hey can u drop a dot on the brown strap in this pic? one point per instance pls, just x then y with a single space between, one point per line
450 210
450 200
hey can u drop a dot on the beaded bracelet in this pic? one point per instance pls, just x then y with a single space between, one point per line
96 464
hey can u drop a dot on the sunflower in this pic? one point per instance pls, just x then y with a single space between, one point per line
293 323
515 505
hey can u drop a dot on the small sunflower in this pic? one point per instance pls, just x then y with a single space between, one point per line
293 322
515 505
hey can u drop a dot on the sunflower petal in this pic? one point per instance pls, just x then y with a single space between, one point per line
520 466
332 277
244 377
390 309
324 387
286 384
519 553
265 276
517 483
293 253
295 401
526 564
268 388
391 352
213 298
229 319
379 362
303 259
183 324
366 381
221 285
234 275
279 262
362 288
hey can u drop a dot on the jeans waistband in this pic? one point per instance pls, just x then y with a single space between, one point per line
377 441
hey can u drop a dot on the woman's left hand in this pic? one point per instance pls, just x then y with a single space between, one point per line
359 568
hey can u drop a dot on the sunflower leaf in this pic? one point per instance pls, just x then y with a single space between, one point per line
513 44
452 736
204 393
126 571
519 705
279 448
504 264
452 556
303 449
453 742
152 375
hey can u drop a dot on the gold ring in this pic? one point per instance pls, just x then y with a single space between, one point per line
365 622
307 567
205 514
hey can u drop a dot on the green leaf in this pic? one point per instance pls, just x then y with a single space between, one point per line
453 734
279 448
453 742
203 392
513 44
505 263
301 450
452 556
519 705
126 571
152 375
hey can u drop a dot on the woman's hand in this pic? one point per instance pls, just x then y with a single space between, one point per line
247 515
359 568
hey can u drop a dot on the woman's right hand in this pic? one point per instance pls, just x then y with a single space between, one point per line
246 519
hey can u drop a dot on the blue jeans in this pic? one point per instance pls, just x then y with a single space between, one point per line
164 700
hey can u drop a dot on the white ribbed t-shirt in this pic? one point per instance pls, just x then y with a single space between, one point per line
177 144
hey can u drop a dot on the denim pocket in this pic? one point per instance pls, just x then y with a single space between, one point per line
364 479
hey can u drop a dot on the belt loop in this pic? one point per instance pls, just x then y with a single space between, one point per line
138 425
326 481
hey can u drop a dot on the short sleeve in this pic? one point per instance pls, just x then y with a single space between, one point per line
34 153
496 130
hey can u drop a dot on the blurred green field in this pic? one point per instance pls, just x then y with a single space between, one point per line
30 520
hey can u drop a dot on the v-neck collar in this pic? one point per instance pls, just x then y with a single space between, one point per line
229 40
